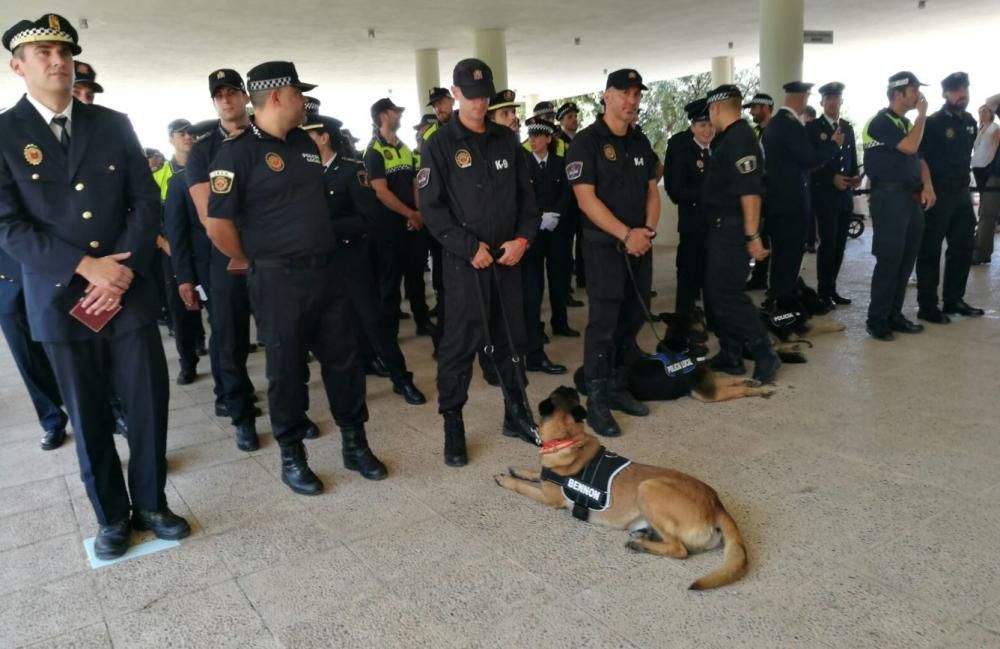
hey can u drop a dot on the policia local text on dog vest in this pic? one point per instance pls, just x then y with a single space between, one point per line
590 489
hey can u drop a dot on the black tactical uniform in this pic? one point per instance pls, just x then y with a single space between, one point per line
474 187
947 148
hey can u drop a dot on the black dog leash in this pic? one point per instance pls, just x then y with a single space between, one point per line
635 285
489 349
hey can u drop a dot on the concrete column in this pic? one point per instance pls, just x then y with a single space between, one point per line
529 103
491 47
428 76
781 33
723 70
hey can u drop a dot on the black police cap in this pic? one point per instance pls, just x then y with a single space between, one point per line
312 105
539 126
383 105
697 110
435 94
178 126
322 124
624 79
273 75
425 120
724 92
954 81
832 89
565 109
474 77
904 78
760 99
503 99
225 78
84 73
797 87
50 28
543 108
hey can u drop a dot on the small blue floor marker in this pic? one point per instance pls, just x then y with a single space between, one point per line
134 551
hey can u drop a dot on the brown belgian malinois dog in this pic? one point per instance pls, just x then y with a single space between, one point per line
667 512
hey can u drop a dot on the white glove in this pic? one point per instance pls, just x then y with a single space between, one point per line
550 220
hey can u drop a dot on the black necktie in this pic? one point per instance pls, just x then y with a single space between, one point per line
541 164
60 121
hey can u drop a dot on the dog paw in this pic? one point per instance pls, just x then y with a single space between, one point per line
635 546
501 479
750 383
639 534
768 393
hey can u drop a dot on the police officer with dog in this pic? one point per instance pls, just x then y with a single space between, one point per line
268 210
612 169
80 213
476 198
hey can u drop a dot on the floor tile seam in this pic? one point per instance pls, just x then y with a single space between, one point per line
49 505
256 612
66 632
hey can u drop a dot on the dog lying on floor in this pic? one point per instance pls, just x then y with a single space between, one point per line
667 512
794 323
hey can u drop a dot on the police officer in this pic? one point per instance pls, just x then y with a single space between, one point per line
761 107
901 190
427 121
228 298
29 356
789 158
442 103
832 195
569 123
476 197
550 250
503 109
79 212
686 160
546 111
268 208
568 117
354 208
731 195
390 168
612 168
85 84
947 149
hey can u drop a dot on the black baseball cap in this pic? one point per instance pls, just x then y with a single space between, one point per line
697 110
474 77
50 28
904 78
434 94
86 74
275 74
832 89
760 99
728 91
954 81
178 126
383 105
797 87
225 77
624 79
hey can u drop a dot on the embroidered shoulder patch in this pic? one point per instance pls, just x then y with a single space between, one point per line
221 181
574 170
747 164
363 178
423 177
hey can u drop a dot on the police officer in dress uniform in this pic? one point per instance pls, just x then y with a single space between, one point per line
731 195
29 356
503 109
686 160
761 107
612 169
85 84
79 212
901 191
546 111
268 207
947 150
354 209
832 195
789 158
476 198
227 289
550 251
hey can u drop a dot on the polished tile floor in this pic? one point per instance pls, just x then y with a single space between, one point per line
868 489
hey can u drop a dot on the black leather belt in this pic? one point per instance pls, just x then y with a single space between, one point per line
295 263
908 187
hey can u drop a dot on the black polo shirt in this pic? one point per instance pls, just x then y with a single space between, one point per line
947 148
394 164
733 170
275 192
350 198
619 168
883 161
202 153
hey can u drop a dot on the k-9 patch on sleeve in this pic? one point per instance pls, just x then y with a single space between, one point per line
221 181
423 177
747 164
574 170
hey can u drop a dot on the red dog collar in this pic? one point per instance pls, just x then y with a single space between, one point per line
556 445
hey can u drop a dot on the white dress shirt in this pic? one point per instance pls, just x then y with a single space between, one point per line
48 115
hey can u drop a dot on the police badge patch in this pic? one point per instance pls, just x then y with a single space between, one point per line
609 152
949 133
747 164
423 177
363 178
221 181
274 162
33 154
823 136
574 170
463 159
387 154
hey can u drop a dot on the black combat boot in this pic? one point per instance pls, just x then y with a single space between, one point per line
621 399
599 411
766 362
358 457
246 435
729 359
295 472
517 423
454 439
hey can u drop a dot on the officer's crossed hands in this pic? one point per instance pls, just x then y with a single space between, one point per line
108 280
638 241
512 252
482 259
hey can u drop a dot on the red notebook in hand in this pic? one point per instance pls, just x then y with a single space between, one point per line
94 322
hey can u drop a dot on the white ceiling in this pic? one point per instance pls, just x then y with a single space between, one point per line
153 57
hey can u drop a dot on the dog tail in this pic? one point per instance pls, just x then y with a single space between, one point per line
734 564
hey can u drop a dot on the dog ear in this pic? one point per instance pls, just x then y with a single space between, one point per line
579 413
546 408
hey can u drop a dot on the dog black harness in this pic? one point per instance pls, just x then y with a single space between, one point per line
590 489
